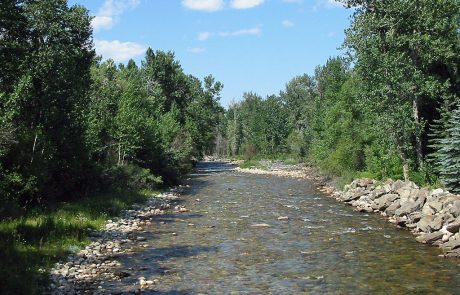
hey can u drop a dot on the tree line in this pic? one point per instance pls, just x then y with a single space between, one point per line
72 124
388 108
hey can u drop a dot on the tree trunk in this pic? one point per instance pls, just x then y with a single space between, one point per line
34 147
405 164
418 131
119 155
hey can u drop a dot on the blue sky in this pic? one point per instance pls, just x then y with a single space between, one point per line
248 45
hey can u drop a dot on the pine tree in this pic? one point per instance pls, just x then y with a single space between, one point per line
449 154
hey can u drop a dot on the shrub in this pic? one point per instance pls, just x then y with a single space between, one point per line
249 152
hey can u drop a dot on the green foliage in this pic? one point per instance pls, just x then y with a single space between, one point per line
31 244
72 124
250 164
382 162
449 154
406 54
249 152
44 91
259 123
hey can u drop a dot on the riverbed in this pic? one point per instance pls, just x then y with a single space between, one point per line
262 234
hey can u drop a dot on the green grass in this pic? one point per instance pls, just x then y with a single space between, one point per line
252 164
30 245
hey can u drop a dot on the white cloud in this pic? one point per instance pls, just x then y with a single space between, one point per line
102 22
110 11
250 31
287 23
196 50
245 4
332 3
204 36
205 5
331 34
117 50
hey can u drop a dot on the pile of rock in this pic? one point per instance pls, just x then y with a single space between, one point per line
296 172
433 215
83 271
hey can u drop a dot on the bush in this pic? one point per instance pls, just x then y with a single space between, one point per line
132 177
249 152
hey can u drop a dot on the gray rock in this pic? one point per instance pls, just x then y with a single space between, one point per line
385 201
354 194
398 184
453 253
374 205
390 211
453 243
365 182
429 238
454 208
415 217
432 207
423 223
437 223
377 193
454 226
411 206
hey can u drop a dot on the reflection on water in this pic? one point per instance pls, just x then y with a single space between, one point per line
324 246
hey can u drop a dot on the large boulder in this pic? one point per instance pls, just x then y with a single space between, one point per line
432 206
390 211
454 226
429 238
377 193
454 208
354 194
408 191
411 206
437 200
453 243
437 222
423 223
385 201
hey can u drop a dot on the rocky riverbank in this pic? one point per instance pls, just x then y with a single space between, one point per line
83 272
296 171
432 215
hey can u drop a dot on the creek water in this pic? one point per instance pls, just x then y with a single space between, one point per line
231 242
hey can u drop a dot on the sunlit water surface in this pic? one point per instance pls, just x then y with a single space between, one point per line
324 248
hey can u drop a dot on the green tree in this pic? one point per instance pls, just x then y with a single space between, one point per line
405 52
449 154
45 83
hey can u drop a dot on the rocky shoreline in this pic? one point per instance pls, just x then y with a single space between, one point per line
432 215
84 271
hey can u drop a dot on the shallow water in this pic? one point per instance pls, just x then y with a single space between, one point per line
324 248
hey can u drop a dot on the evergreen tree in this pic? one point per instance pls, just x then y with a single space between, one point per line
449 154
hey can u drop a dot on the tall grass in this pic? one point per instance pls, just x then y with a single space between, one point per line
31 244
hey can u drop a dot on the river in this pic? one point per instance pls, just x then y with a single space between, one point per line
232 242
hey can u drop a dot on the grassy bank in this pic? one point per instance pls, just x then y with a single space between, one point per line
33 243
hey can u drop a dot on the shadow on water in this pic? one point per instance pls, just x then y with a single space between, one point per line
234 241
205 168
150 264
169 218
